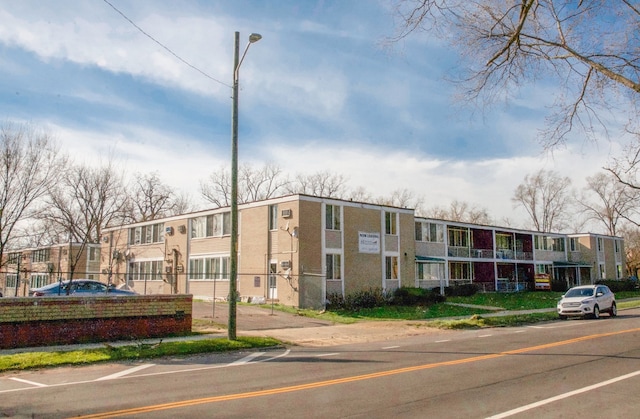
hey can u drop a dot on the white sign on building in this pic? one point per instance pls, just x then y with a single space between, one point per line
368 242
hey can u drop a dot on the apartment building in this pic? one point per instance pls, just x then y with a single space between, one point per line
34 267
505 259
295 249
299 250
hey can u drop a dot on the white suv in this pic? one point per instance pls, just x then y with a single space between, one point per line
587 301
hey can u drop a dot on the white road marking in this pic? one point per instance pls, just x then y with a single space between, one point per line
329 354
520 331
33 383
442 341
563 396
391 347
125 372
247 358
485 336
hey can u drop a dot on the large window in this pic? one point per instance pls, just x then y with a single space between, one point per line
153 233
391 267
40 255
459 237
39 280
214 225
390 223
148 270
208 268
504 241
333 266
12 280
573 244
460 270
429 232
13 258
429 271
555 244
332 217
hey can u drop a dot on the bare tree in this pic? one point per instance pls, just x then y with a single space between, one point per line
151 199
402 198
460 211
253 185
589 47
631 234
545 196
325 184
612 201
85 201
29 166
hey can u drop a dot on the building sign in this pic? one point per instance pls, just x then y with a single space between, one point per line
368 242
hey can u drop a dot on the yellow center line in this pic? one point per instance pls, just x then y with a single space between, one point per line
318 384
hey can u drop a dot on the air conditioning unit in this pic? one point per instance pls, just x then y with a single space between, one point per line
169 231
285 264
168 269
286 213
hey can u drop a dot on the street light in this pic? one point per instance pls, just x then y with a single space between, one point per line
233 268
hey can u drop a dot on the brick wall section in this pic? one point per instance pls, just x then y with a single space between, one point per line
65 320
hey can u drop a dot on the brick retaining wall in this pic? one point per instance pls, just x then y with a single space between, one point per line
41 321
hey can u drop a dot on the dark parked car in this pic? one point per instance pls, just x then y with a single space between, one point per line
79 287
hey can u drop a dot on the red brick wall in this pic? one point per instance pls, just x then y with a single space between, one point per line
65 320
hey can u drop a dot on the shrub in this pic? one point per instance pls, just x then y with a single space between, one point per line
462 290
407 296
559 285
370 298
617 285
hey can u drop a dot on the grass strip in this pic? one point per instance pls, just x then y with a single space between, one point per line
28 360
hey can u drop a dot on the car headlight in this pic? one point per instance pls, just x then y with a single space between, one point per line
587 302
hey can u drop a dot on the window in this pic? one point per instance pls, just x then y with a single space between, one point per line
543 269
208 268
390 223
458 237
38 280
333 266
13 258
504 241
603 271
148 270
332 217
214 225
460 270
429 271
618 271
273 217
573 244
429 232
12 280
600 242
94 254
40 255
391 267
153 233
616 246
555 244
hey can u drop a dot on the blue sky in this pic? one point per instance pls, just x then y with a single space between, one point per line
318 92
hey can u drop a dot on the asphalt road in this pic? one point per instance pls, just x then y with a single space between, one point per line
558 369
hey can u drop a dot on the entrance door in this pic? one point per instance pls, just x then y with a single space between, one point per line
272 293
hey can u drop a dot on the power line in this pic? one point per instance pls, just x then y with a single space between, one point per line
165 47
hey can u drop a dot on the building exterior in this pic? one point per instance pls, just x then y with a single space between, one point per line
35 267
299 250
505 259
295 249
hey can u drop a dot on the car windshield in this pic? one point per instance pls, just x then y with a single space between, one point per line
579 292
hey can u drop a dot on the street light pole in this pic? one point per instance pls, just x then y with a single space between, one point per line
233 260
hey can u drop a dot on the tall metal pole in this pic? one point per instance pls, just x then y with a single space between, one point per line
233 262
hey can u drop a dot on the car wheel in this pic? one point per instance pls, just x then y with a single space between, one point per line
596 312
614 310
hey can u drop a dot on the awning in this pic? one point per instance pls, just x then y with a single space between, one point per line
427 259
571 265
